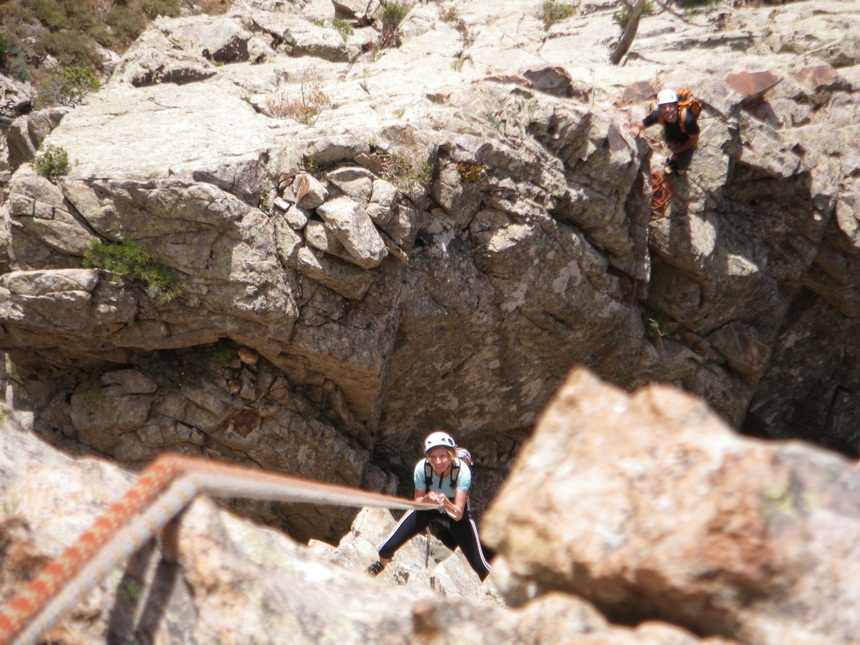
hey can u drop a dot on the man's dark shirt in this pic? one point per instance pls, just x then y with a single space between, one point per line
673 131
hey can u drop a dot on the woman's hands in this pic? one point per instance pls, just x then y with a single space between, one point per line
433 497
454 509
436 497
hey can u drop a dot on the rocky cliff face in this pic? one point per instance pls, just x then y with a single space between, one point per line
364 243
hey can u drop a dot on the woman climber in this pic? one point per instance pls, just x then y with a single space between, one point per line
442 478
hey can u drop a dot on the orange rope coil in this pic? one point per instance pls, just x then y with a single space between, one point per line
661 192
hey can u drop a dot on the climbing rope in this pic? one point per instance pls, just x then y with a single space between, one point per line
661 193
162 492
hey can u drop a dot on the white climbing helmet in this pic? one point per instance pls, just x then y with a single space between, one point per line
438 438
667 96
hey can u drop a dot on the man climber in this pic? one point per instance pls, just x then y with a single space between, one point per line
680 129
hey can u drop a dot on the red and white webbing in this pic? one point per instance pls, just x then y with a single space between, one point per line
160 494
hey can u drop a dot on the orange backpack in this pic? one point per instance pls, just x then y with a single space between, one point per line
686 101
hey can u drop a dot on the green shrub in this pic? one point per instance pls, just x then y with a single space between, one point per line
68 30
127 260
553 11
103 35
13 60
392 14
50 13
68 85
69 48
52 162
155 8
126 24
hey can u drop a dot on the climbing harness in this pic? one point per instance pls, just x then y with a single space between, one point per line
428 474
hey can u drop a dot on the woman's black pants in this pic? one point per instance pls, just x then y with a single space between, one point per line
464 531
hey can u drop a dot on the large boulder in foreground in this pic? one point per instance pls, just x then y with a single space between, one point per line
649 506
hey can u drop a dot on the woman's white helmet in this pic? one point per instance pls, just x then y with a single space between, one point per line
438 438
667 96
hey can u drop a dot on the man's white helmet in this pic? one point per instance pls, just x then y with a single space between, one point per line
436 439
667 96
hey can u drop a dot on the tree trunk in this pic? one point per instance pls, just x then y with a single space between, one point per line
629 34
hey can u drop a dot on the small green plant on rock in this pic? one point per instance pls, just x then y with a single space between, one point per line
52 162
310 165
85 381
778 501
623 15
342 27
553 11
263 202
658 325
127 260
402 173
391 14
69 85
129 590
